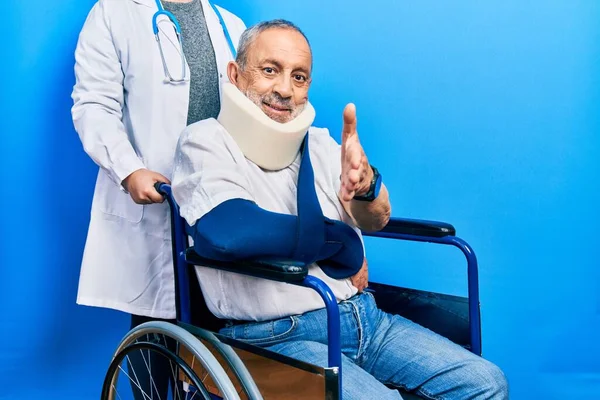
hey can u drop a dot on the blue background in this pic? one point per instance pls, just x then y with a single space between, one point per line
482 114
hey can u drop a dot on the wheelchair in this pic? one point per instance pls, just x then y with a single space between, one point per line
206 365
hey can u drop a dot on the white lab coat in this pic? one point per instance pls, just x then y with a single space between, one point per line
128 118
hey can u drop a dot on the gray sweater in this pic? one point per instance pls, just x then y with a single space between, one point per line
200 55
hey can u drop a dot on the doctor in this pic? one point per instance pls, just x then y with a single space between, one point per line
144 71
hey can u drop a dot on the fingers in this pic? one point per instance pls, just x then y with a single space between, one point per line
362 285
154 196
352 173
147 196
348 190
349 128
353 154
346 194
160 178
139 199
350 182
352 178
361 279
142 189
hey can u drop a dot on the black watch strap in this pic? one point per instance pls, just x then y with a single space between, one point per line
373 188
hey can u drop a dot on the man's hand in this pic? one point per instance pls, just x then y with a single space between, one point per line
361 279
140 185
356 171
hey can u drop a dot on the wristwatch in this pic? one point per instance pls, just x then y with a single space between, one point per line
373 189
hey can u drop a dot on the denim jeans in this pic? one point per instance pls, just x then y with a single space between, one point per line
380 351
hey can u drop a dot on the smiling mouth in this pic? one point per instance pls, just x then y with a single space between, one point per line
277 109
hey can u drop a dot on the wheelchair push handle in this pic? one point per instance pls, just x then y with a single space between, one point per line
160 188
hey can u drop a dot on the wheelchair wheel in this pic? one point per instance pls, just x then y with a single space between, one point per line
234 363
155 343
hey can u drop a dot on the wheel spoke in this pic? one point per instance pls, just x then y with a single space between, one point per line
116 391
148 364
175 374
136 383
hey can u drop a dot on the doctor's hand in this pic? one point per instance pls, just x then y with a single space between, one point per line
140 185
356 172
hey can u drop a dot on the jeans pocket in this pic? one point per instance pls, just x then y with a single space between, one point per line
266 333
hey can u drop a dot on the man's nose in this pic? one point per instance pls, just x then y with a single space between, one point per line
283 88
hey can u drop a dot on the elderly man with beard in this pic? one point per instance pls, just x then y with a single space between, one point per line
260 182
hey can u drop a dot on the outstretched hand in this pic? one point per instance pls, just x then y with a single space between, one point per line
356 172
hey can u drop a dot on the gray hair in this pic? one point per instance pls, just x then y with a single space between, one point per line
250 35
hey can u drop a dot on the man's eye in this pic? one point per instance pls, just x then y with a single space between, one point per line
300 78
269 70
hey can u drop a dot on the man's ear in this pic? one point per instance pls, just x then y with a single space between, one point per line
233 72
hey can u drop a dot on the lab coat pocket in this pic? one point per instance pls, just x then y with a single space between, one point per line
115 202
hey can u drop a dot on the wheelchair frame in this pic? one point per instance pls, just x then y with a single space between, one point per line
184 258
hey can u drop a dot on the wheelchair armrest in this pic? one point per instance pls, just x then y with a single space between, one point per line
276 270
419 227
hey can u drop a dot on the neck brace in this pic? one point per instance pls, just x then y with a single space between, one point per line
269 144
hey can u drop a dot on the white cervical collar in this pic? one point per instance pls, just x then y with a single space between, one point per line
269 144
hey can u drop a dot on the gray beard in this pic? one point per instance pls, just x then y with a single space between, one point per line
258 100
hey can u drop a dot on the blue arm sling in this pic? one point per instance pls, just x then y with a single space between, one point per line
239 229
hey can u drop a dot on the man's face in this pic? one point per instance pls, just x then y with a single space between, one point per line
277 73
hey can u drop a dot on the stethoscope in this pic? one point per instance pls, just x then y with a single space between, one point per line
177 27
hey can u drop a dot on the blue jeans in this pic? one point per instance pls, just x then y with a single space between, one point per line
380 351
